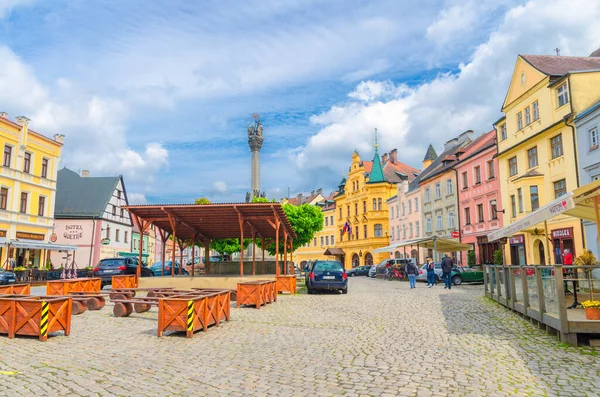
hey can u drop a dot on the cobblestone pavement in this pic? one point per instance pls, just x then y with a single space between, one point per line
382 339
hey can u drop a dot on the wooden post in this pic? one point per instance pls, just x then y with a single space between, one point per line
277 224
206 256
291 252
525 288
262 244
253 253
560 294
181 245
164 237
241 222
540 289
142 226
193 253
486 281
174 236
285 235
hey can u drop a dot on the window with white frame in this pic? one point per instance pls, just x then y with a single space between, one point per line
416 203
491 170
392 213
393 234
439 222
410 206
427 198
417 229
593 138
410 230
451 220
536 111
560 188
563 95
519 121
532 157
378 229
428 225
403 208
512 166
449 186
404 232
438 190
503 134
527 116
477 175
465 180
467 216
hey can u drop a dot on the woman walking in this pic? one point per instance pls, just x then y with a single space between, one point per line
430 272
412 271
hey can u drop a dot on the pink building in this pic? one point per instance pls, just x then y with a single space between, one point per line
479 196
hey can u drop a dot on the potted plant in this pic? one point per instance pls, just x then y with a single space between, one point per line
585 259
592 309
471 258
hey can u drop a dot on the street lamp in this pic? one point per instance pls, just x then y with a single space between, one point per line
494 203
360 253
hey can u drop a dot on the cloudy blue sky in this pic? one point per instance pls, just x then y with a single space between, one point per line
162 92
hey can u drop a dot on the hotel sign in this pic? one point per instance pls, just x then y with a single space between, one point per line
31 236
562 233
516 240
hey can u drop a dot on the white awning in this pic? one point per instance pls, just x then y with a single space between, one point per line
554 208
393 247
40 245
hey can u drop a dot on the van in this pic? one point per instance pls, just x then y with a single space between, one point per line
395 262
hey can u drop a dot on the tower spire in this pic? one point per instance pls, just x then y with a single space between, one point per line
376 170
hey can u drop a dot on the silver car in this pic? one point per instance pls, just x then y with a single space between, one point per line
423 272
373 271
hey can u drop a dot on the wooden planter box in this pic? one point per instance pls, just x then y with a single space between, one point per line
64 287
16 289
286 284
256 293
191 313
127 281
35 315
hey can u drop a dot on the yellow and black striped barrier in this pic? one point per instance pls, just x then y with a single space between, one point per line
190 316
44 319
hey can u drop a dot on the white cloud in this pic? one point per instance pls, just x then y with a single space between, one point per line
409 119
94 127
137 198
452 21
220 187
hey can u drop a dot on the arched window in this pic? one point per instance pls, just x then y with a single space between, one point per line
368 259
379 204
355 260
397 255
378 230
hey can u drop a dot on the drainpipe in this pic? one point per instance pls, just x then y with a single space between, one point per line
458 209
92 243
566 120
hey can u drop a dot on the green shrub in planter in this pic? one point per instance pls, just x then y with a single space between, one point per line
498 258
471 258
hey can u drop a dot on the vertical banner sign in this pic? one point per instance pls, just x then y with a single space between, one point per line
44 319
190 318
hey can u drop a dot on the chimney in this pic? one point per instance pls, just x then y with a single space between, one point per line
24 123
85 173
394 156
4 115
465 136
60 138
319 191
384 158
450 144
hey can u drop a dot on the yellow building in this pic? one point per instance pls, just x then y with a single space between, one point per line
27 192
323 240
537 150
362 210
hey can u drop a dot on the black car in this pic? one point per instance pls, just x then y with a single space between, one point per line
326 275
109 267
7 277
358 271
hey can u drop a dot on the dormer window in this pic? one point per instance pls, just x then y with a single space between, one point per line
563 95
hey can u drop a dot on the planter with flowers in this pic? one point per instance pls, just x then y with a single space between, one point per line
592 309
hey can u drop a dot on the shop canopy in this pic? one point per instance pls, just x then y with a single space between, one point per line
36 245
437 243
334 251
583 203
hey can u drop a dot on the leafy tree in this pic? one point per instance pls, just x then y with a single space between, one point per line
202 200
305 219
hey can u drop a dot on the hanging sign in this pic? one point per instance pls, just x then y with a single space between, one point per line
105 241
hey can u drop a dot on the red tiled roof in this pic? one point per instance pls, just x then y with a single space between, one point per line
482 140
368 165
391 170
554 65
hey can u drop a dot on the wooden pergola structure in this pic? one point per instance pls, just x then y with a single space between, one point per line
190 224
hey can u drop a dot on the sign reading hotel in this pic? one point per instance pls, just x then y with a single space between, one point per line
73 232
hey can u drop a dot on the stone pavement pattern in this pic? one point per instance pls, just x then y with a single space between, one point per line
382 339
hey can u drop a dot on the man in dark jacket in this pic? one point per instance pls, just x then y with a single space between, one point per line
412 271
447 266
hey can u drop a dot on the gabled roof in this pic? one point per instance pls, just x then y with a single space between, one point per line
554 65
530 174
481 143
430 154
587 111
441 164
78 197
376 171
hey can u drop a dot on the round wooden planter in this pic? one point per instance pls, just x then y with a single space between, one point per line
592 313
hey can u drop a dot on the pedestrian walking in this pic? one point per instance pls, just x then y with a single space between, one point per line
430 266
447 266
412 271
